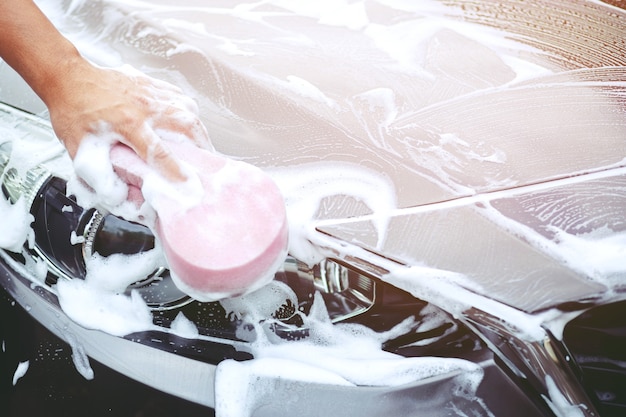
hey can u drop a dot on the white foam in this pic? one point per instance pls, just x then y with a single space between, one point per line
403 42
600 254
93 308
260 304
354 364
37 267
197 28
307 89
184 327
451 291
114 273
75 239
344 355
18 219
21 370
306 186
559 404
240 386
340 13
493 155
79 356
383 99
101 302
92 164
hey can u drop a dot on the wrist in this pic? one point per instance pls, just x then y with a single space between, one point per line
55 76
34 47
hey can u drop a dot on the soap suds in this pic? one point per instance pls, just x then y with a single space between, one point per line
306 186
79 356
184 327
600 254
260 304
93 165
21 370
12 238
308 90
561 406
114 273
342 355
93 308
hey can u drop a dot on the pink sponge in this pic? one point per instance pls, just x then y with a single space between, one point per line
229 242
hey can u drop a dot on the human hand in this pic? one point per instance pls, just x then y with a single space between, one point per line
134 109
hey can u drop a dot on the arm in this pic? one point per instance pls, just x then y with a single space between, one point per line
87 100
34 48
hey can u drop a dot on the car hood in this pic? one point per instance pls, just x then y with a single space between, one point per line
477 144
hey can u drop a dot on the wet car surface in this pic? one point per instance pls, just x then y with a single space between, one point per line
53 387
499 129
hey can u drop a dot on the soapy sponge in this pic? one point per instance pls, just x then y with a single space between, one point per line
224 234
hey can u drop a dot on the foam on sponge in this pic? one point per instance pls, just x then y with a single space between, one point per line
224 232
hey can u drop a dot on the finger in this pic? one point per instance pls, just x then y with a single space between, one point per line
174 99
153 151
141 79
160 84
162 159
184 124
158 90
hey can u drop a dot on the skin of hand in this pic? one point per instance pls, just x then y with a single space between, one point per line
84 99
140 110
